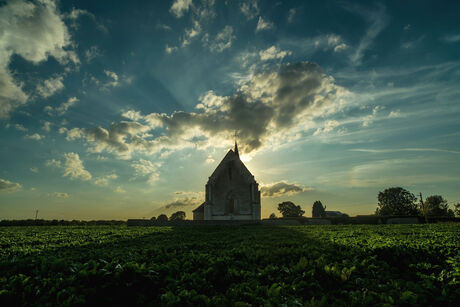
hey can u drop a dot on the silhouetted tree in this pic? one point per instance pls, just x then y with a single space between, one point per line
457 209
162 218
177 216
318 210
272 216
153 218
436 205
289 209
396 201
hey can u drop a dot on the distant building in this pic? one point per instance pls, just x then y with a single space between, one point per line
335 213
231 192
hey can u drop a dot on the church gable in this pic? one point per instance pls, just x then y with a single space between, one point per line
231 191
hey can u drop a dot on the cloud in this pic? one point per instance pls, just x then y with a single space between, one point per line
62 109
18 127
179 7
263 25
163 26
34 31
273 53
33 169
395 114
34 136
191 33
170 49
75 14
119 190
272 106
451 38
391 172
222 41
328 127
377 20
185 199
392 150
104 181
369 119
8 186
53 163
148 169
50 87
113 139
72 167
114 79
47 126
92 53
324 42
282 188
291 16
250 9
59 195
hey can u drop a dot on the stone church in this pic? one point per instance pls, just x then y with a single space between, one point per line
232 193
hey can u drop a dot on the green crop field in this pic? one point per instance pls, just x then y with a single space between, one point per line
222 266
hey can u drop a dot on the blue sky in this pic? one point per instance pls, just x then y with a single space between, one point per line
115 110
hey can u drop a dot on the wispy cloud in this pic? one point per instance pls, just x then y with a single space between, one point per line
272 53
451 38
59 195
250 8
377 19
223 40
263 25
104 180
282 188
34 136
391 150
8 186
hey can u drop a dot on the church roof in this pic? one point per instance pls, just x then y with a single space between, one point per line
199 208
231 157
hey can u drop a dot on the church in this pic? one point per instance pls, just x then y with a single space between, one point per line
232 193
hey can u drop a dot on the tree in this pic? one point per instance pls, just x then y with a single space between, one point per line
162 218
396 201
457 209
289 209
153 218
318 210
272 216
436 205
177 216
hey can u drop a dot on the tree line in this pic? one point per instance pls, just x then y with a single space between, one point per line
176 216
394 201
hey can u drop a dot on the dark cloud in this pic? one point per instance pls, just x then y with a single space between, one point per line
183 202
282 188
8 186
278 100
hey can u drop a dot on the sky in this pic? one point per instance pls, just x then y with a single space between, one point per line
123 109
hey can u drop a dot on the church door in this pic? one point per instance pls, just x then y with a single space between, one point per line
231 205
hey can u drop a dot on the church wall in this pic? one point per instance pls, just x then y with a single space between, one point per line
226 185
232 217
198 216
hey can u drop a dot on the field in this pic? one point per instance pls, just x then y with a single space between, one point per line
221 266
